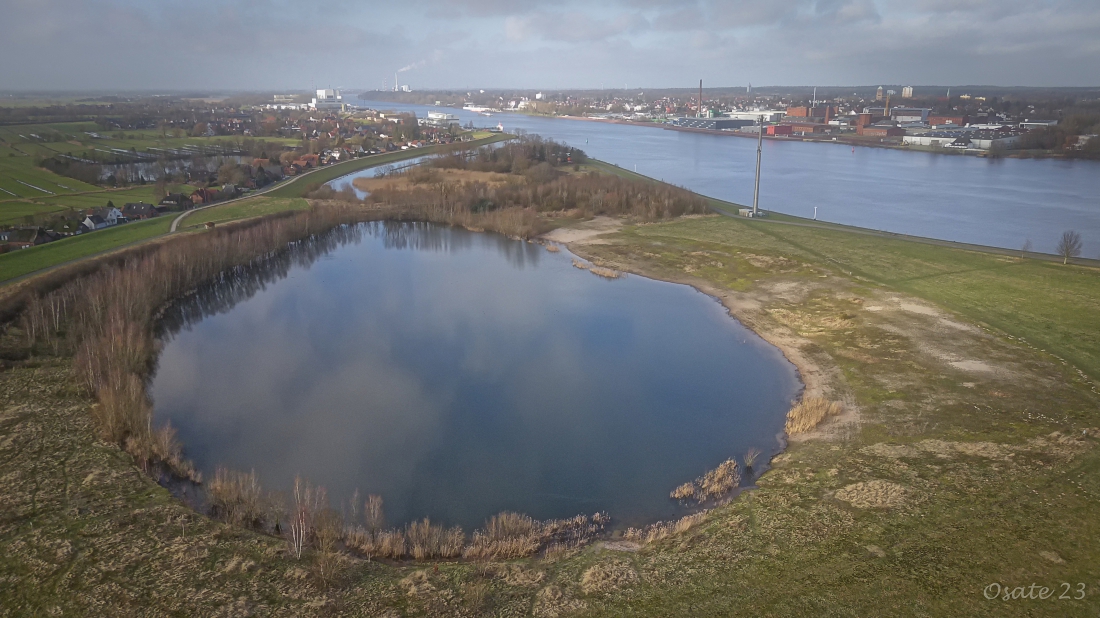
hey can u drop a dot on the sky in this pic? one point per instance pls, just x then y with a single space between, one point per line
462 44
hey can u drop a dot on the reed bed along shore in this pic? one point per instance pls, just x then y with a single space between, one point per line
309 523
714 484
807 414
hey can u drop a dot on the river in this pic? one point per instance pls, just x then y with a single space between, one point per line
995 202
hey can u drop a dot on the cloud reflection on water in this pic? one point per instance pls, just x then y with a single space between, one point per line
460 374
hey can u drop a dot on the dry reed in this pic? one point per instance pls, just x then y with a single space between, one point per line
427 540
713 484
606 273
750 457
236 497
684 493
809 413
662 529
105 317
506 536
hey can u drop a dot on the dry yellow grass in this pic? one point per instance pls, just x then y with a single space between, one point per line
809 413
719 481
684 493
236 497
607 577
606 273
430 175
663 529
873 494
713 484
506 536
427 540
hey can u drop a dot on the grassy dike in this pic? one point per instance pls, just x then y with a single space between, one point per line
966 457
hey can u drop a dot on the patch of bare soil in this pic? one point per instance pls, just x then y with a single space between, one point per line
585 232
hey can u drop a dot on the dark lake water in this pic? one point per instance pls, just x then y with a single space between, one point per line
460 374
996 202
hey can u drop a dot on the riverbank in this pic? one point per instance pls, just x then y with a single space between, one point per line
843 139
967 458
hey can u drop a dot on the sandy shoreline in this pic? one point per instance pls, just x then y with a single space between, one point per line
818 375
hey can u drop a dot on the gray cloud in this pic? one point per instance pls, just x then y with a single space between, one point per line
247 44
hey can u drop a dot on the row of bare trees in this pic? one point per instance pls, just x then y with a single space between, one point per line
310 526
105 319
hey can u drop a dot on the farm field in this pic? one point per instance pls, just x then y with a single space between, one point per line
22 145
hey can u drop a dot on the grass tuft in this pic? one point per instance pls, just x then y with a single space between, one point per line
809 413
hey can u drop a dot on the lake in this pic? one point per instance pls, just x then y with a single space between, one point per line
995 202
460 374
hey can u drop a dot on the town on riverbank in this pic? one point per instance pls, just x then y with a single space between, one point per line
983 121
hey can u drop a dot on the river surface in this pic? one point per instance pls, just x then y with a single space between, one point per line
460 374
995 202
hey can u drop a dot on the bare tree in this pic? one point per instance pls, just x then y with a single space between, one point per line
374 515
1026 248
1069 246
301 517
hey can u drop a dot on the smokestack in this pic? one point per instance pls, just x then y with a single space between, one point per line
700 114
395 88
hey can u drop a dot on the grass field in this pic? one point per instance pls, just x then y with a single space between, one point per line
245 209
963 459
18 263
1051 306
19 148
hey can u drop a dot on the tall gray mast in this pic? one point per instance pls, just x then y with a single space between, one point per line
759 149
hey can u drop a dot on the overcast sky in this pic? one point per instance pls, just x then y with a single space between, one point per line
282 44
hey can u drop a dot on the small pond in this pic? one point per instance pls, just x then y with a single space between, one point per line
348 181
461 374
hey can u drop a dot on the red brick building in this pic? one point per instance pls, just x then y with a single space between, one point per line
875 131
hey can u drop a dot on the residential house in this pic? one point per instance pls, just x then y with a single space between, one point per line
93 222
68 227
177 201
308 161
22 238
204 196
109 214
139 210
